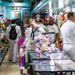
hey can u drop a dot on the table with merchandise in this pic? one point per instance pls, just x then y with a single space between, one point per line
44 51
46 59
52 64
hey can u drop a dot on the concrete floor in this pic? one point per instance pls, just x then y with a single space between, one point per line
8 68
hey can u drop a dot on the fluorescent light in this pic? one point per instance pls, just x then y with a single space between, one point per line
17 4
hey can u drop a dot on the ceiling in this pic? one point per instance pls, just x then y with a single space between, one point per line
13 0
55 5
17 0
23 3
45 7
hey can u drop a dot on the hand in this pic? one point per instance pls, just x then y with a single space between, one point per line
22 46
32 42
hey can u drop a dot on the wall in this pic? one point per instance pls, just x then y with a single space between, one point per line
9 12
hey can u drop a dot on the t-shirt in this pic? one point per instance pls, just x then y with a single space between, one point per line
52 28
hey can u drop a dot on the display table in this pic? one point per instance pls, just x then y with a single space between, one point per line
50 66
52 56
34 61
53 65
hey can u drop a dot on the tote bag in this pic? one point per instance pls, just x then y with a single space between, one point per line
22 59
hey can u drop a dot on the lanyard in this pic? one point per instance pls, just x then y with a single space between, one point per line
32 34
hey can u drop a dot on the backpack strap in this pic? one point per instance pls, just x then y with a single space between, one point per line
13 26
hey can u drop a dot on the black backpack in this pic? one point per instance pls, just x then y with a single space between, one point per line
13 33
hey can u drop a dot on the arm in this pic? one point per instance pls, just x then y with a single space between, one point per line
28 33
19 32
7 32
56 33
56 37
25 42
73 28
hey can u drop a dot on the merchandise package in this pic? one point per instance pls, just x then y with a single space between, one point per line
65 64
43 45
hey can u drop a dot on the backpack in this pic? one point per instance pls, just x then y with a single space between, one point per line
13 33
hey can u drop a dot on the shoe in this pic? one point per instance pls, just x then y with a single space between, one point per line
14 62
10 60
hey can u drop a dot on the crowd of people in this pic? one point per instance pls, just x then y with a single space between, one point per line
33 30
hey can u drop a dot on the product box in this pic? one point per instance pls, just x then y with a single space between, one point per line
65 64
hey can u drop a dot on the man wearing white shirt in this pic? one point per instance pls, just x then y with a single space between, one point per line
13 43
53 29
68 36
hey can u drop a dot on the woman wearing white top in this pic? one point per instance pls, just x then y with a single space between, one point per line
37 33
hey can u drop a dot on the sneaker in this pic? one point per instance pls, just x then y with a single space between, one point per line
14 62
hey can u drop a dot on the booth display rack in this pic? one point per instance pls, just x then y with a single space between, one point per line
3 48
2 54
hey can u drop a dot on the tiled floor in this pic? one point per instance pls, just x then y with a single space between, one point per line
8 68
